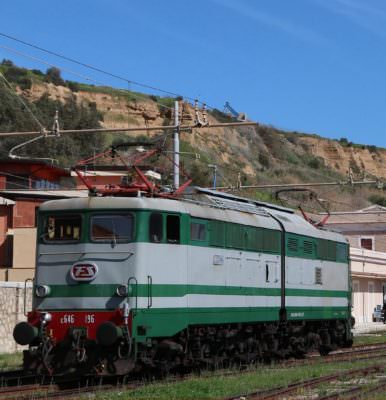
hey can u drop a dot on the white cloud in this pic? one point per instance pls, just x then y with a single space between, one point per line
360 13
272 21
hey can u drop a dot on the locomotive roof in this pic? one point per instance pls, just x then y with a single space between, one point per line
207 206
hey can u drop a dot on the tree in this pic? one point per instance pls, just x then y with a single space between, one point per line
53 75
7 63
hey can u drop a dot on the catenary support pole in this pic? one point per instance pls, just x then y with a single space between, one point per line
176 150
214 166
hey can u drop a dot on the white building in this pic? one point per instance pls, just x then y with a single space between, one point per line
366 231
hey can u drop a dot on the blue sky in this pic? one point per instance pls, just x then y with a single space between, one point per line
315 66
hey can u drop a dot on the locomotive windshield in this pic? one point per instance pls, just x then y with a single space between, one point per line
107 228
62 228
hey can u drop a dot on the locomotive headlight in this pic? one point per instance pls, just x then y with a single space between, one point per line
122 290
46 317
42 290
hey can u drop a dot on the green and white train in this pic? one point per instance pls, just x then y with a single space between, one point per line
126 283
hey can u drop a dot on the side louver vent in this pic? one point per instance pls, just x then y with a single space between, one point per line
318 276
293 245
308 247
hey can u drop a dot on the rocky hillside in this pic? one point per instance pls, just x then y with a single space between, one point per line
261 155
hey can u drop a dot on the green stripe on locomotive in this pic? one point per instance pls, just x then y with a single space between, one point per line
166 290
169 321
223 234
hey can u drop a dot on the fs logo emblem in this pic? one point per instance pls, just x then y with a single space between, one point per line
84 272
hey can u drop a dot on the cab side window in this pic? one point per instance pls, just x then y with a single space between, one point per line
155 228
173 228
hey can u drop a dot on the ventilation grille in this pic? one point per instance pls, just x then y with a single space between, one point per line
318 276
293 245
308 247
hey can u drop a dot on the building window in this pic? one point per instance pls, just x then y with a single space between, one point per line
367 243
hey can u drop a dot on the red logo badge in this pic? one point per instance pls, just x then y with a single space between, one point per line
84 271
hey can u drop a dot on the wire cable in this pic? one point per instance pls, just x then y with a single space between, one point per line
89 66
87 78
24 104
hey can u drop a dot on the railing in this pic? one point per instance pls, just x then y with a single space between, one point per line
149 291
86 252
135 283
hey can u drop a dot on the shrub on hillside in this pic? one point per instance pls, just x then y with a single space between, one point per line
53 75
19 76
377 199
7 63
73 86
315 163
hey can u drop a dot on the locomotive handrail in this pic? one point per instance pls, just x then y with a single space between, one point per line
85 252
134 279
25 295
149 291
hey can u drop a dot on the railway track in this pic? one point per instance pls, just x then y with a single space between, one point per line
287 390
57 388
51 391
363 352
16 385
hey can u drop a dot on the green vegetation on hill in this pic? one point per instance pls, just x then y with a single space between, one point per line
247 155
67 149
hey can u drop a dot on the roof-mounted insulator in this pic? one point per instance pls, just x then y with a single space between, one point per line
199 122
55 126
204 117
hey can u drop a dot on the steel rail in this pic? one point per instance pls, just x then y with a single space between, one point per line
365 392
274 393
17 383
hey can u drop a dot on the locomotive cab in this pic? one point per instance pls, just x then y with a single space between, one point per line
84 289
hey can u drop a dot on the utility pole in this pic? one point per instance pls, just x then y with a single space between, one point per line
214 166
176 150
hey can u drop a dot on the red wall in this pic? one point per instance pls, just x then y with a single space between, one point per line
24 213
5 222
4 216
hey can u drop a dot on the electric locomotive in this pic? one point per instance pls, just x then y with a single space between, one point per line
129 283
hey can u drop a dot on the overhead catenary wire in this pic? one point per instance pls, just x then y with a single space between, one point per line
93 80
137 129
69 71
102 71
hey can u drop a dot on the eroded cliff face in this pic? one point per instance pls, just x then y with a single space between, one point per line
117 110
242 147
342 158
